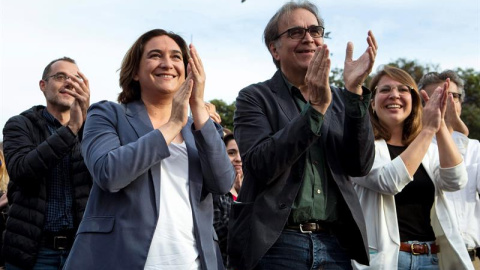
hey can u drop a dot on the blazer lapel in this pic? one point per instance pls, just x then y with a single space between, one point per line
195 179
285 100
138 118
326 123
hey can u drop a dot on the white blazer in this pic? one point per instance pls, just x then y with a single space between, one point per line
465 203
376 194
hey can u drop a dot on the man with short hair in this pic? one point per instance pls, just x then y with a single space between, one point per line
465 203
49 183
300 139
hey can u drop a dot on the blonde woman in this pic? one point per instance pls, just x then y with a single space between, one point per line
409 225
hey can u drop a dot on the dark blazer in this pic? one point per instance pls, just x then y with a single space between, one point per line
273 136
123 152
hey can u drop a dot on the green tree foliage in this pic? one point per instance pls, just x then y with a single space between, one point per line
471 78
336 77
413 68
225 111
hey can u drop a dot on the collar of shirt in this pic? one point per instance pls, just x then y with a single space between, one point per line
51 121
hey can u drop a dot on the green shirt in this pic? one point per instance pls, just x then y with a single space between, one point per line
318 194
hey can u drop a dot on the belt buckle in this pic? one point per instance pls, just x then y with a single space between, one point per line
301 229
62 242
413 250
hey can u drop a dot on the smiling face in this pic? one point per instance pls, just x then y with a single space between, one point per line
161 68
392 102
234 156
295 54
54 90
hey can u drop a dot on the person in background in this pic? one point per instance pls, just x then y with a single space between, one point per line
212 112
409 225
465 203
223 203
154 168
300 139
49 183
3 201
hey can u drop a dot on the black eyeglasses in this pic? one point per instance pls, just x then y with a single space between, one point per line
402 89
61 77
315 31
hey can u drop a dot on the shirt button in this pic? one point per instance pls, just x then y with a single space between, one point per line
361 97
319 191
315 162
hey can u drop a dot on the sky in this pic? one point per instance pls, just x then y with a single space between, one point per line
226 33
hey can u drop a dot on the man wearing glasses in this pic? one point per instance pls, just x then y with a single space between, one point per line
300 139
465 203
49 183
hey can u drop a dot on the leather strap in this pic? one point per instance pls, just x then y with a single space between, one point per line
419 249
309 227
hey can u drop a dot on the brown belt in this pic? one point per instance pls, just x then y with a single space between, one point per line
309 227
418 249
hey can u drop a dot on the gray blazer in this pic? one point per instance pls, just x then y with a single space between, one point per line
123 153
273 136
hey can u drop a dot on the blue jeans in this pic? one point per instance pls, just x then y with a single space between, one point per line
409 261
295 250
47 259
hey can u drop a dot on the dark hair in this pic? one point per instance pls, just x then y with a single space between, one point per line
48 68
131 62
227 138
270 33
413 124
435 78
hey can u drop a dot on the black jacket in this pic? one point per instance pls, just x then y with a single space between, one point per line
273 136
30 152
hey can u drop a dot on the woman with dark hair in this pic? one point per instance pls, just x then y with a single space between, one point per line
408 221
223 203
154 168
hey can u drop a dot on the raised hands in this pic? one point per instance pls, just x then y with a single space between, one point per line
434 119
197 103
179 112
435 107
452 117
320 95
80 90
195 66
180 101
356 71
212 111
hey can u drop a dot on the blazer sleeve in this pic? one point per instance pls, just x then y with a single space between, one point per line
217 170
357 145
446 179
387 176
470 150
391 176
113 164
28 160
268 152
